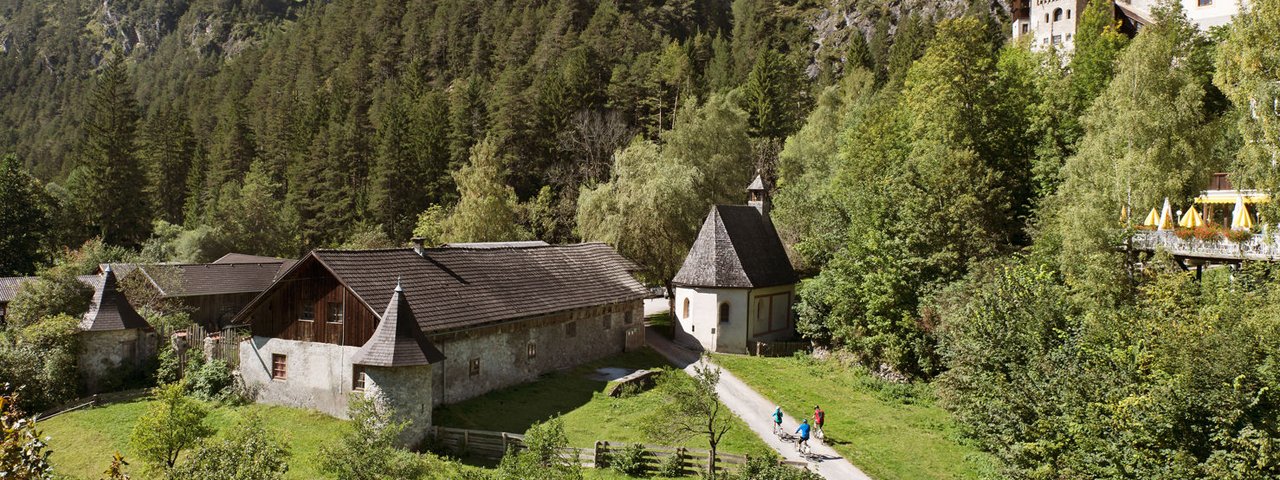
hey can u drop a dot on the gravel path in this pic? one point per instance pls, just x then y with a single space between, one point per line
754 409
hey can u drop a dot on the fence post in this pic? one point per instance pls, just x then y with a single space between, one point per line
758 348
504 442
466 439
597 456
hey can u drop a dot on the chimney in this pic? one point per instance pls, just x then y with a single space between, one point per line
758 196
418 246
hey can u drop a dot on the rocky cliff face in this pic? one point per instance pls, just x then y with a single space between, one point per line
832 25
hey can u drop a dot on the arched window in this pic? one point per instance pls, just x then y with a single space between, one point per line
724 313
1057 14
686 310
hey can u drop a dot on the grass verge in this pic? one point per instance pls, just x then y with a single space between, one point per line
84 441
589 415
890 431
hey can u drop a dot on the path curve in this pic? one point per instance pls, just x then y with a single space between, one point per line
754 410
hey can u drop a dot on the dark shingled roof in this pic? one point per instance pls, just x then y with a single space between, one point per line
9 287
736 248
511 244
109 309
398 341
199 279
453 288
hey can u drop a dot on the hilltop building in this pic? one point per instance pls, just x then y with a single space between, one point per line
736 286
1053 22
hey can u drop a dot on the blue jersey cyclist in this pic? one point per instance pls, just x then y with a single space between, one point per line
802 444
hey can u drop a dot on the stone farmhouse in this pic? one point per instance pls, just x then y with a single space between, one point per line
736 286
419 327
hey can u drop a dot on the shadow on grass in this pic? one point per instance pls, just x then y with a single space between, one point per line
515 409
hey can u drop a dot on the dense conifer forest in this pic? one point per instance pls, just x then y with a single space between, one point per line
953 198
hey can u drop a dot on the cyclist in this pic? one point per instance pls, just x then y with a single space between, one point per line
819 417
777 420
802 444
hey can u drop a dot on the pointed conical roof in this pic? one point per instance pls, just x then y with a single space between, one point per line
736 248
110 310
398 341
756 184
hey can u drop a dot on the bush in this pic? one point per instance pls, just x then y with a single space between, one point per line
22 451
1208 233
210 380
1239 236
367 449
768 468
629 460
672 466
172 423
169 368
247 451
542 459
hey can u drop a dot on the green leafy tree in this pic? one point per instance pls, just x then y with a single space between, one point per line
430 226
1098 43
251 217
649 211
1248 72
26 223
367 450
487 210
1147 137
247 451
173 423
691 408
112 179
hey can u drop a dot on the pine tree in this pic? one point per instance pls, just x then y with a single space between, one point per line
487 209
25 223
167 149
771 96
110 191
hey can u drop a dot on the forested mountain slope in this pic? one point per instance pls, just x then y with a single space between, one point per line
356 112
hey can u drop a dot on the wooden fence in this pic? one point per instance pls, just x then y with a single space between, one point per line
196 341
493 445
780 349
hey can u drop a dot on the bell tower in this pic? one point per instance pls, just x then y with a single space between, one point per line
758 196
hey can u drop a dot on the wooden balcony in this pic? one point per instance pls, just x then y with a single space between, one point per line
1260 247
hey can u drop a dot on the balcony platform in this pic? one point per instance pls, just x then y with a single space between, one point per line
1263 248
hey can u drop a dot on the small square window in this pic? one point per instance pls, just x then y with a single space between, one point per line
1205 3
335 313
308 312
357 378
475 367
628 317
571 329
533 350
278 366
606 321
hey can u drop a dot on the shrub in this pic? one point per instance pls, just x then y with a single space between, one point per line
542 459
1239 236
169 369
1208 233
210 380
22 452
629 460
768 468
1185 233
672 466
367 449
248 451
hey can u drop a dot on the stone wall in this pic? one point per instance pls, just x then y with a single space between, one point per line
106 353
317 375
503 352
407 391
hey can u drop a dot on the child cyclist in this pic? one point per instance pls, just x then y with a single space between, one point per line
802 443
777 421
819 417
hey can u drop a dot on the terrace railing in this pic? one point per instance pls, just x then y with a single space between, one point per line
1258 247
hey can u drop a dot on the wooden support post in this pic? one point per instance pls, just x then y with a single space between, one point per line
597 456
466 438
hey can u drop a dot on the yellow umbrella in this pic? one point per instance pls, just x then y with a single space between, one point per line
1152 220
1124 214
1166 216
1191 219
1240 218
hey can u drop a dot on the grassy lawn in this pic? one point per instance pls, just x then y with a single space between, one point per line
84 441
889 431
589 415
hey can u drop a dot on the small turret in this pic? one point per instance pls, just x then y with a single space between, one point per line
758 196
